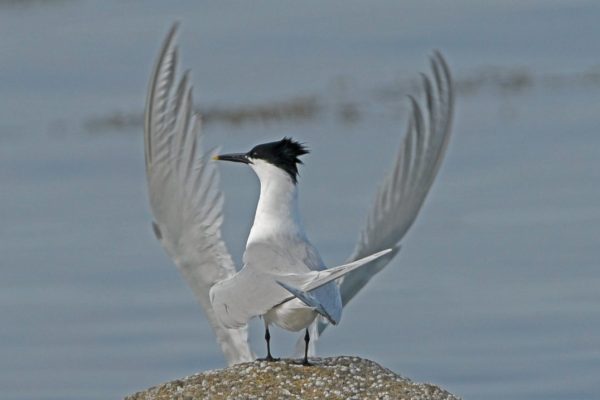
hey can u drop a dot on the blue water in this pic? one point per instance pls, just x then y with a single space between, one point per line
495 294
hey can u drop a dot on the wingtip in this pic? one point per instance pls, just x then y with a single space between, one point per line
307 299
169 43
438 56
171 35
379 254
174 28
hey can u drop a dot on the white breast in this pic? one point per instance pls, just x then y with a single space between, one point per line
277 245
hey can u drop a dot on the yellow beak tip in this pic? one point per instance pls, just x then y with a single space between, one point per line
216 158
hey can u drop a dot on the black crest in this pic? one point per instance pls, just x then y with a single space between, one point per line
283 154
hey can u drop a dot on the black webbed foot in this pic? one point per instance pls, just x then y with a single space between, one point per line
268 358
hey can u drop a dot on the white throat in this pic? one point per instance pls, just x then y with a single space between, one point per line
277 210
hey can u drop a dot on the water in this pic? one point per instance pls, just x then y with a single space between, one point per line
495 293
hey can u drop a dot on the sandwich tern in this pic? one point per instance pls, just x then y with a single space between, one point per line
279 259
283 279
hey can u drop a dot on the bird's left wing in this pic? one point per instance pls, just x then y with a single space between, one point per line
300 285
184 195
403 191
312 280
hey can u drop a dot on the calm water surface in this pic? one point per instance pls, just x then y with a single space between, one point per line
495 294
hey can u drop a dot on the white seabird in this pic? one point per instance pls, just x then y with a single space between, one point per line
187 207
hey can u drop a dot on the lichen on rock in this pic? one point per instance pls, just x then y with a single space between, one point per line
327 378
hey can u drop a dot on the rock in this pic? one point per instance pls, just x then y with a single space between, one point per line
326 378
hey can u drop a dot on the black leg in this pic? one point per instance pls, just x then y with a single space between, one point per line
269 357
306 340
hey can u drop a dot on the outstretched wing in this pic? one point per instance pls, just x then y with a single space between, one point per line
403 192
184 195
307 282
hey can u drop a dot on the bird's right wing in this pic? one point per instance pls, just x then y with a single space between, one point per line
184 195
403 192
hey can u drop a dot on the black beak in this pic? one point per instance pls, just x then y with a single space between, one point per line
236 157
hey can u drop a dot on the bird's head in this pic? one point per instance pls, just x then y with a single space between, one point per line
263 158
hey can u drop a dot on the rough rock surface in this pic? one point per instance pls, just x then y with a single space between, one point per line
327 378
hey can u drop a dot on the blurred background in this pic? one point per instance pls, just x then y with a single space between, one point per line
495 294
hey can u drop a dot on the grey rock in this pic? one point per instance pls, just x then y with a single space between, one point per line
331 378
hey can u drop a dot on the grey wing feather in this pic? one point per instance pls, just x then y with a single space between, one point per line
184 195
313 280
309 300
403 192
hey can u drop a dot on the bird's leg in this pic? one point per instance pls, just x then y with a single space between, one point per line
269 357
306 340
268 339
